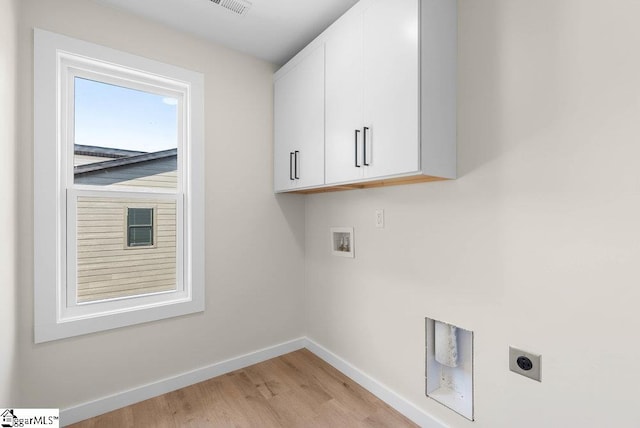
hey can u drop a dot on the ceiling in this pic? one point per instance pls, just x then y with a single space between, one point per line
273 30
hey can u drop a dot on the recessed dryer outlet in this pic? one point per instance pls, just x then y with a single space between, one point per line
525 363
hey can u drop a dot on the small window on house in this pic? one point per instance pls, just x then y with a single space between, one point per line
140 227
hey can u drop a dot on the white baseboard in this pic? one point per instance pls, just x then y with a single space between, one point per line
126 398
402 405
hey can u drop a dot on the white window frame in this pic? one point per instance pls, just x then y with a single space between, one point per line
57 61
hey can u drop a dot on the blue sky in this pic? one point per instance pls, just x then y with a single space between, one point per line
123 118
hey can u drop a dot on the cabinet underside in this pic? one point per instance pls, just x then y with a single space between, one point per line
369 184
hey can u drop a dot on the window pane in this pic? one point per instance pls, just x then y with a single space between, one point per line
106 266
140 236
123 136
140 216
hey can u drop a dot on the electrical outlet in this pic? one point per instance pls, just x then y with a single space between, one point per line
525 363
379 218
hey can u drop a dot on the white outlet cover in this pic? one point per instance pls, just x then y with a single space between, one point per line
380 218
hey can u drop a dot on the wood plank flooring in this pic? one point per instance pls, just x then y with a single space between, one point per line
295 390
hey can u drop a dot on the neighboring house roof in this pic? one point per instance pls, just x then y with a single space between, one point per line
120 160
104 152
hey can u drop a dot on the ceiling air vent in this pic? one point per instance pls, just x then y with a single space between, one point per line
239 7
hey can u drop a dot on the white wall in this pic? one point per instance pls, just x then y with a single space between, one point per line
536 245
254 242
8 217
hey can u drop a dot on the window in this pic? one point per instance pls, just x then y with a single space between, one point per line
118 188
140 227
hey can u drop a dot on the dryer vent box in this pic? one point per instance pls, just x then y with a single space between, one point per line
449 366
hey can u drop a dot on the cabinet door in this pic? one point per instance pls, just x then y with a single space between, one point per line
299 125
344 109
391 87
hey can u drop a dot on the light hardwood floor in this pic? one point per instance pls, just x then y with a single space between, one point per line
295 390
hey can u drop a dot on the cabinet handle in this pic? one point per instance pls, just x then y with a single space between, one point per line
364 145
291 166
295 164
356 145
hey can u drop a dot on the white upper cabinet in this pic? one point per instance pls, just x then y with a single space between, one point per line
344 100
299 124
389 97
372 93
391 81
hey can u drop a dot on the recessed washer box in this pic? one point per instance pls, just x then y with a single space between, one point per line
342 242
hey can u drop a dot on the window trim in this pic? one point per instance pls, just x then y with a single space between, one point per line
51 192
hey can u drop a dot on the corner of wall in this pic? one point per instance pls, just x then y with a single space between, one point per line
8 210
